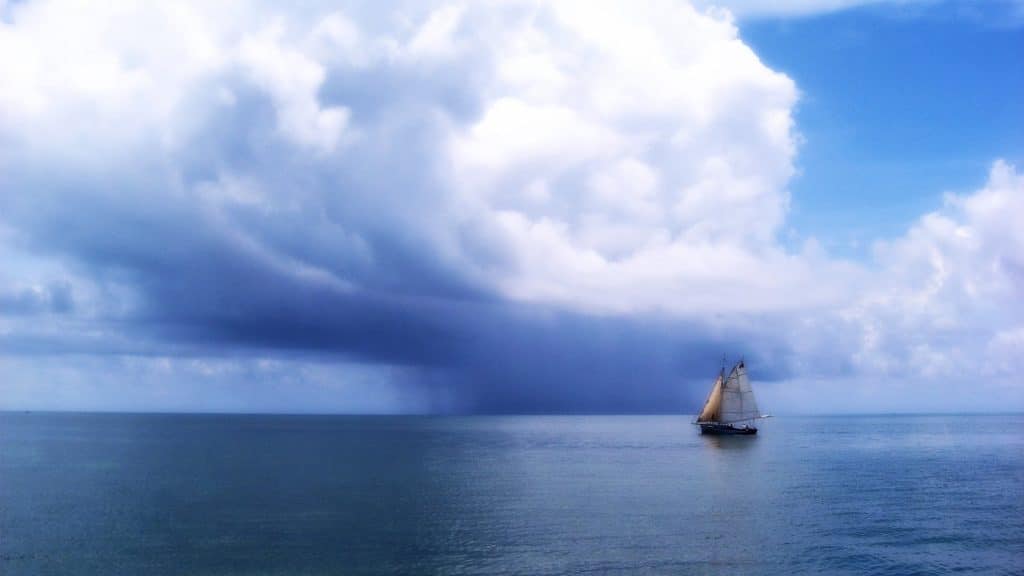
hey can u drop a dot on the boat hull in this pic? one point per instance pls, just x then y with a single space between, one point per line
727 430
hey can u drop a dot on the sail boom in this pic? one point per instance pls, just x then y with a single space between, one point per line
758 417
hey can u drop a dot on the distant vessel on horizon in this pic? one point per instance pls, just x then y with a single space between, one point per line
730 408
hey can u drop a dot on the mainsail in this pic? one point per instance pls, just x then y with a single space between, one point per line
737 398
713 404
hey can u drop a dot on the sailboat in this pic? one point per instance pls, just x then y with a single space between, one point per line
730 407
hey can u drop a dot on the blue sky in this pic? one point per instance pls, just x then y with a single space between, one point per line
900 104
463 206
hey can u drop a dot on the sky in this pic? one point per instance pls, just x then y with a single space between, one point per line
511 207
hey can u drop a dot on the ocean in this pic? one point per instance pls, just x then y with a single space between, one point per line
231 494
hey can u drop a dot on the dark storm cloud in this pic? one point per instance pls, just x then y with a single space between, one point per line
54 298
198 287
240 241
525 359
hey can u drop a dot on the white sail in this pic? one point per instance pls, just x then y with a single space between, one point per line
738 401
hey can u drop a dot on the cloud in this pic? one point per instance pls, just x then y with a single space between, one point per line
661 194
507 206
172 383
947 289
53 298
938 325
293 80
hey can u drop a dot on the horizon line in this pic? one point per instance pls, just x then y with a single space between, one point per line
479 414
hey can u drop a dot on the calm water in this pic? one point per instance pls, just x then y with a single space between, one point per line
162 494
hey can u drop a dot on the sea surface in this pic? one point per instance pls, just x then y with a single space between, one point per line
215 494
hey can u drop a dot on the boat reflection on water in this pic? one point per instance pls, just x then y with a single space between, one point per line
729 442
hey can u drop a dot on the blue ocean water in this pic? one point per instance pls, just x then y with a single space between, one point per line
216 494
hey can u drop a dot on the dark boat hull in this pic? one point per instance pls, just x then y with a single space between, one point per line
727 430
